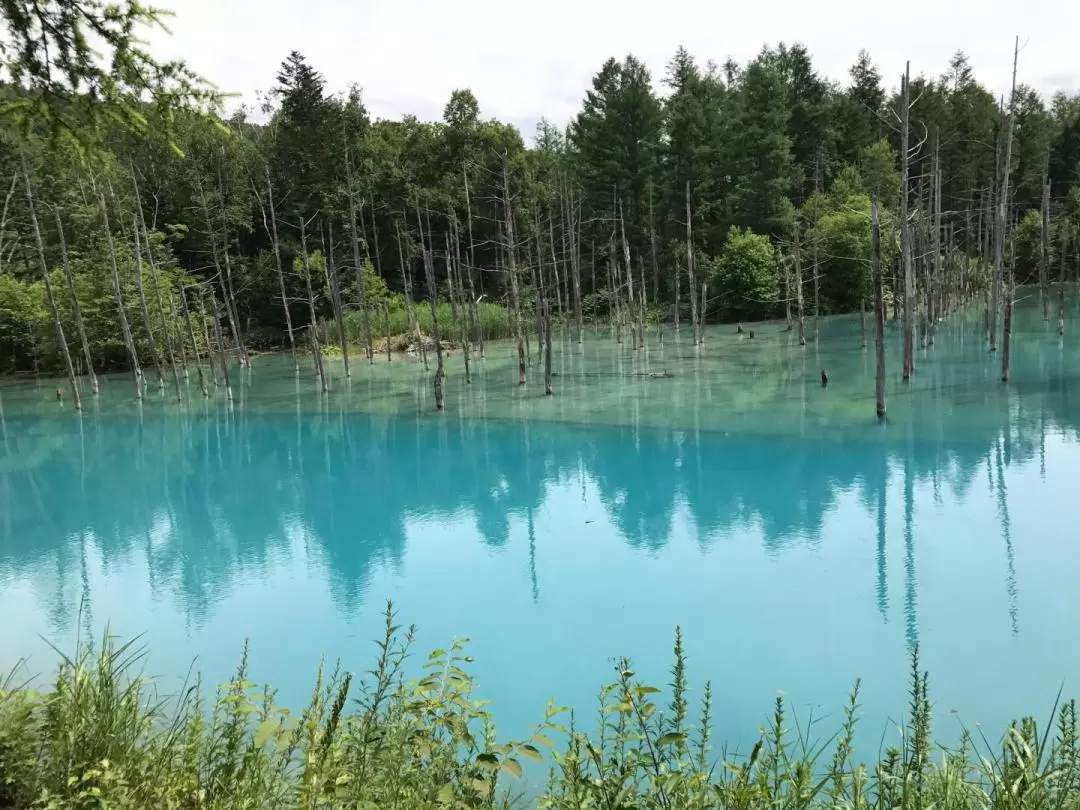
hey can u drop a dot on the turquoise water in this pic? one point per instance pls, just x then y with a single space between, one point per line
797 542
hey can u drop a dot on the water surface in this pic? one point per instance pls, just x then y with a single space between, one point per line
797 542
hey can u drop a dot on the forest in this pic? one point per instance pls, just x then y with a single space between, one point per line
149 230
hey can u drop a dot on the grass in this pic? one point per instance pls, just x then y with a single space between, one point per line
495 320
101 737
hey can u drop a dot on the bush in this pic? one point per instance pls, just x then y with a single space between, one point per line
101 738
744 279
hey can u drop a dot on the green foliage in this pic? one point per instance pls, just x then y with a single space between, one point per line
745 277
101 737
78 66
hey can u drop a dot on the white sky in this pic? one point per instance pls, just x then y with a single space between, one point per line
524 61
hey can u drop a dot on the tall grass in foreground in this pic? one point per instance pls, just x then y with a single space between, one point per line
101 737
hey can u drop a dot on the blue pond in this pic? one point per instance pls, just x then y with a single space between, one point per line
798 543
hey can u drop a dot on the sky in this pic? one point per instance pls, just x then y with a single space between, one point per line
527 61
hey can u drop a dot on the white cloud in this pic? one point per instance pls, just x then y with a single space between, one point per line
527 61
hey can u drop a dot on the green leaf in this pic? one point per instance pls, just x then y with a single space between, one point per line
540 738
446 794
646 690
531 752
671 738
512 766
487 761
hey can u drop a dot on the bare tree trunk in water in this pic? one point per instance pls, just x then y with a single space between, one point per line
429 271
194 343
905 226
933 290
690 270
354 238
229 294
335 293
613 298
799 286
787 297
406 283
48 290
554 264
644 303
547 348
537 285
678 296
1003 213
862 321
511 260
145 310
575 262
272 232
313 329
702 310
375 237
179 341
629 273
75 309
472 267
141 231
1061 280
125 327
386 311
1044 244
1001 224
458 290
221 346
879 309
1006 328
206 336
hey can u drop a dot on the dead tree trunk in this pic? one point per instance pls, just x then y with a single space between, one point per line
194 343
511 261
799 286
57 325
386 313
231 309
1006 326
629 271
862 321
690 270
547 348
879 310
145 310
933 290
354 238
429 271
313 329
906 245
472 266
206 336
703 309
335 293
75 309
1003 213
272 232
458 291
125 327
375 237
1061 278
575 262
1044 244
221 345
406 283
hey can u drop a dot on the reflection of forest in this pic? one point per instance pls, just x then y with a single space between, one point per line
214 495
